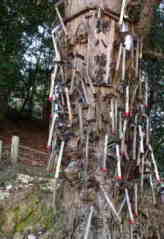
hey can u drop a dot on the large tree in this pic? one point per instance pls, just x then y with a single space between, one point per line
25 52
100 121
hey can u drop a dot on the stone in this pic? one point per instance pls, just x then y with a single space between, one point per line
45 236
4 195
18 235
10 222
25 213
31 236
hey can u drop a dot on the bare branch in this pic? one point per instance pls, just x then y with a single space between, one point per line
154 54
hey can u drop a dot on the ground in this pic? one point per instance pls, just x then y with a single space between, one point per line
26 205
34 134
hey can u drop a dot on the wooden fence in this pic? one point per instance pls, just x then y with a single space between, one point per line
19 153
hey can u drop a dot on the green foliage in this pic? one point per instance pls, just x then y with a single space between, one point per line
29 213
157 33
25 49
154 69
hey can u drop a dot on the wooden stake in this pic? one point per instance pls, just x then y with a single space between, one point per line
59 3
146 93
158 235
112 116
52 153
14 149
122 205
99 13
105 152
132 57
141 48
87 71
123 137
68 105
57 53
61 20
52 110
138 158
147 131
56 93
126 152
109 52
91 86
123 64
134 140
137 59
89 223
113 233
54 117
116 112
119 57
53 77
152 189
81 122
72 82
50 162
154 163
57 171
86 160
129 207
131 231
73 77
111 205
62 75
141 134
142 172
127 111
87 146
136 199
124 2
133 98
118 162
124 127
120 126
85 91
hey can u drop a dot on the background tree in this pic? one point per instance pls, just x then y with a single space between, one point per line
26 59
155 70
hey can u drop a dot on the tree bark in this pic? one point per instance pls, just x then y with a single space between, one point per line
106 97
74 7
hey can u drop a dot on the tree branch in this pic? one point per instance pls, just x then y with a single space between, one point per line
159 55
146 17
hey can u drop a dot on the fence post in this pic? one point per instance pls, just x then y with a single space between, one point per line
1 145
14 149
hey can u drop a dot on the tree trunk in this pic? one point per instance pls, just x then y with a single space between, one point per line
4 98
76 6
100 124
